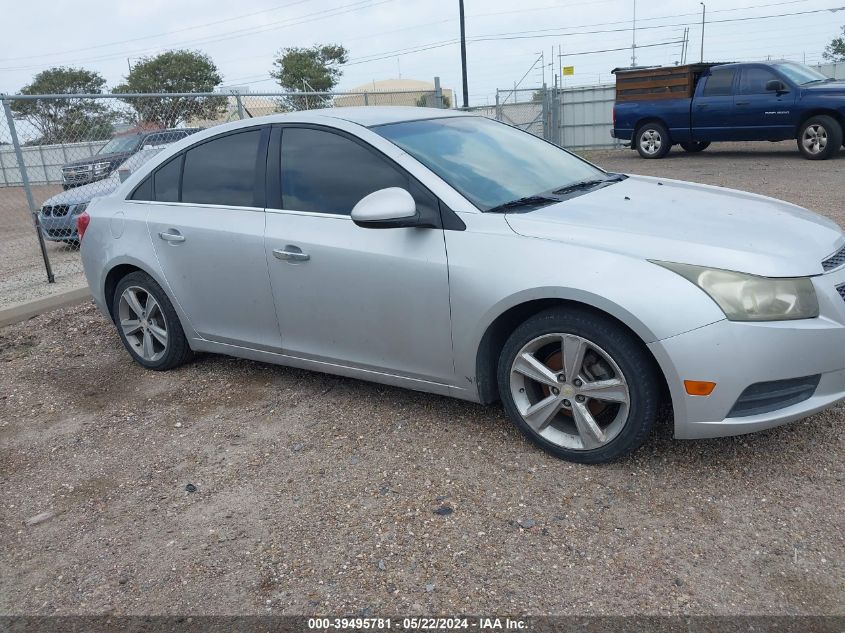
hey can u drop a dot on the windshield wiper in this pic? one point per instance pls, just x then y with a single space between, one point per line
527 201
589 184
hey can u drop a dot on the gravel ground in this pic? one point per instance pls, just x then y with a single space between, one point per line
318 494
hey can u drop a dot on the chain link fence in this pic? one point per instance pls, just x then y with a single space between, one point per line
58 152
575 118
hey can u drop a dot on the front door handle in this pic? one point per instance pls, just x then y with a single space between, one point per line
168 236
743 103
291 253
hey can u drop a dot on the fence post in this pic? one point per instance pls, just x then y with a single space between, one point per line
438 93
547 111
366 99
498 107
240 105
25 179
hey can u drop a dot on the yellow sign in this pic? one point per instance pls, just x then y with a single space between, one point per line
568 70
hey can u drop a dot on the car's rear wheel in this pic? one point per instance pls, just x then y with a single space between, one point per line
579 385
148 324
819 138
695 146
652 140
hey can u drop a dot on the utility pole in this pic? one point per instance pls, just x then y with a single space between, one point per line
464 53
634 39
703 16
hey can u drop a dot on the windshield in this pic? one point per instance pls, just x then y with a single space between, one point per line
799 73
120 144
489 163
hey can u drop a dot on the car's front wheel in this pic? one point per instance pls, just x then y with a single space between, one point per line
148 324
820 137
579 385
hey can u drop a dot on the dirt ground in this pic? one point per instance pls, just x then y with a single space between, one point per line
232 487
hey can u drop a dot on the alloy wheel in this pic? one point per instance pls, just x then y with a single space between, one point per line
143 323
814 139
651 141
570 391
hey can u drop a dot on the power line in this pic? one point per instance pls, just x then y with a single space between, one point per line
542 33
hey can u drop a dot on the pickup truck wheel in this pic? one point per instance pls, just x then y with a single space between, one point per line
819 138
652 140
695 146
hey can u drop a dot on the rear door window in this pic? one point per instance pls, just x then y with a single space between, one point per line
223 170
719 83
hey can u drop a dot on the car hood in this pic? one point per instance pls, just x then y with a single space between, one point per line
99 158
677 221
85 193
830 87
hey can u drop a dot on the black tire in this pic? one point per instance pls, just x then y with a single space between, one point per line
177 351
821 125
629 354
694 147
657 132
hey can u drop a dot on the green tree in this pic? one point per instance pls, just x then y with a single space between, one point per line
66 120
835 51
174 71
315 69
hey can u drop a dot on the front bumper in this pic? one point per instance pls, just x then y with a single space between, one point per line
58 228
736 355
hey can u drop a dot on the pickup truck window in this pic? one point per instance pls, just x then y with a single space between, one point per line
719 83
753 80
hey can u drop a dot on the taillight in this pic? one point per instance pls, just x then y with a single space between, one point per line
82 222
614 115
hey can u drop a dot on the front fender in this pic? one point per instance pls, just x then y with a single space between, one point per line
493 270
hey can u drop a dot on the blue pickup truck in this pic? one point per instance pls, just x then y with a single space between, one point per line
693 106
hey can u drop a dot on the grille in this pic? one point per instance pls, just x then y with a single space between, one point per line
841 290
834 261
763 397
55 211
77 174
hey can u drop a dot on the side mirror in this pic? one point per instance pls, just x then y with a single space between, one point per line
386 209
123 174
775 85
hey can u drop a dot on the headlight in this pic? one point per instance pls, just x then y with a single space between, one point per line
750 298
79 208
101 167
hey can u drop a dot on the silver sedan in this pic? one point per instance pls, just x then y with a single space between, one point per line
452 254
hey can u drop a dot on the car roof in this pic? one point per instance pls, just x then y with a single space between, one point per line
368 116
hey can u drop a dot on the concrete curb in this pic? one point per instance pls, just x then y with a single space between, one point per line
28 309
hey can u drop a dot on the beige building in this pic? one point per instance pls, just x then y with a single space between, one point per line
253 107
400 92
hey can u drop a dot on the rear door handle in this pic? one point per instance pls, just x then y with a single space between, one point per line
171 236
291 253
743 103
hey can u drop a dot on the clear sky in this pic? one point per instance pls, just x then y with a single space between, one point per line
412 38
